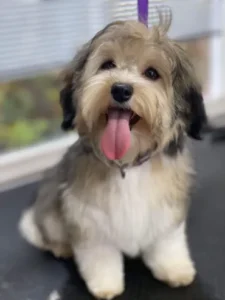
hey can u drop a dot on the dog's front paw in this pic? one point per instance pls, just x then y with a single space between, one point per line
106 286
101 267
175 273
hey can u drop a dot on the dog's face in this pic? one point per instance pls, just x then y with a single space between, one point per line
132 89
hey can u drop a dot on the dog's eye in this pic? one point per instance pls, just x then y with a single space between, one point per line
151 73
107 65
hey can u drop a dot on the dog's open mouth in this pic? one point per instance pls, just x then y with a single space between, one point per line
116 138
133 118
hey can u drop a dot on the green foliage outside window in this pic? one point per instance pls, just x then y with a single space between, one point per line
29 111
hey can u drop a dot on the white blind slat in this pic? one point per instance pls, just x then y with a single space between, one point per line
38 33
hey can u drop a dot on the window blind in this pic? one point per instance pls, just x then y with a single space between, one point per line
42 35
127 9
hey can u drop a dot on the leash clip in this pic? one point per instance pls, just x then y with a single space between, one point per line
143 11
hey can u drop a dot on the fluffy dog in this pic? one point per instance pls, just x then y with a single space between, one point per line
123 187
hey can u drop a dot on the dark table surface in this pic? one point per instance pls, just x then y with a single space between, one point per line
28 274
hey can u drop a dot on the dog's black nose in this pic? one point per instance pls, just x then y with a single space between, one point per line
121 92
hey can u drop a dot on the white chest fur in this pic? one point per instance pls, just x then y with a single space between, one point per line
130 212
129 209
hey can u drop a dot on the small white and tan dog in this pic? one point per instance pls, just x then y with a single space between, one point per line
123 187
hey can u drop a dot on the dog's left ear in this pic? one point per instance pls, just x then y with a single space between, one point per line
196 115
188 96
71 77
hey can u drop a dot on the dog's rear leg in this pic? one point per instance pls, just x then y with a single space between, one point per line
30 231
56 243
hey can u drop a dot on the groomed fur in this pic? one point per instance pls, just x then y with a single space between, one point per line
85 208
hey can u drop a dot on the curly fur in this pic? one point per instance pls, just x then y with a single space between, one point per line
84 207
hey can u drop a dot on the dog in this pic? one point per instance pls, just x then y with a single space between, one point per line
124 186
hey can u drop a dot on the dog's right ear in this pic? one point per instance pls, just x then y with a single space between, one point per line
71 78
68 107
71 82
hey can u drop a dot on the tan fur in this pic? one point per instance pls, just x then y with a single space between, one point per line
134 47
84 205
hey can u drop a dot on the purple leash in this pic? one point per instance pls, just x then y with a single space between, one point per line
143 11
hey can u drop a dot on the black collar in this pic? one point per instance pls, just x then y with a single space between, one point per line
138 161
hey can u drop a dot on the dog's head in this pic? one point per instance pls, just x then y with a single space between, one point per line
132 89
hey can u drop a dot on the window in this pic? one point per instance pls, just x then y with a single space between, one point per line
29 111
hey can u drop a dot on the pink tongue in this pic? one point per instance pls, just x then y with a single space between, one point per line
115 140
